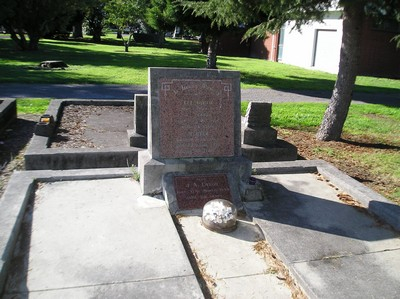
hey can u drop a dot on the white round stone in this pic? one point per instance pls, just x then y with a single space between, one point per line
219 215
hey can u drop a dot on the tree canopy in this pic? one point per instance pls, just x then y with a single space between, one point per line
266 16
35 19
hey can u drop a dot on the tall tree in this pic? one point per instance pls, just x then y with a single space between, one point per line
77 22
198 16
161 16
95 19
27 21
270 15
125 14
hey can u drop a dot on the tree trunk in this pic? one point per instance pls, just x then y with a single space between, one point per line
19 41
203 43
212 53
335 115
34 42
161 39
77 31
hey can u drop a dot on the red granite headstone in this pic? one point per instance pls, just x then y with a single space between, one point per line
196 118
194 191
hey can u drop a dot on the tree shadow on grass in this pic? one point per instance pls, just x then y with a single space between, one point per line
371 145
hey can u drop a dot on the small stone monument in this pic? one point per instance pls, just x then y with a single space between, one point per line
138 136
52 64
194 136
258 129
260 142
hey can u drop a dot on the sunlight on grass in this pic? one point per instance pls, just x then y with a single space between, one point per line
108 63
32 106
379 122
386 166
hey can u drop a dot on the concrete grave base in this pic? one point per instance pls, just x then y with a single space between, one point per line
137 140
152 170
40 156
263 137
8 112
280 151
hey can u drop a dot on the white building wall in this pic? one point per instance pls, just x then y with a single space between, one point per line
317 46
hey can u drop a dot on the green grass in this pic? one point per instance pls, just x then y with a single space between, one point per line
107 63
377 121
32 106
374 129
383 162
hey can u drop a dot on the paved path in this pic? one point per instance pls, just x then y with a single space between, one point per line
93 91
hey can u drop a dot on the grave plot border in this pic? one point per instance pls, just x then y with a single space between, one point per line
375 203
22 184
8 112
15 198
39 156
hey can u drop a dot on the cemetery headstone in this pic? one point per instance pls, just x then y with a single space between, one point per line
194 136
138 136
260 142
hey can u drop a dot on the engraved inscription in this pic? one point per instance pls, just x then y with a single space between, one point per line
196 118
193 192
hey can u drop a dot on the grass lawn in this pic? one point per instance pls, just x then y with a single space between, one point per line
107 63
369 151
32 106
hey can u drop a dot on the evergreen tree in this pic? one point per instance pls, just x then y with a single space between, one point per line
162 17
34 19
125 14
269 15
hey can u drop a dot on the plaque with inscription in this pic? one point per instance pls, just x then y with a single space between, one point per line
196 118
194 191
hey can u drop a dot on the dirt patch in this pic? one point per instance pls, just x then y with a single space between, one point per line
345 155
93 126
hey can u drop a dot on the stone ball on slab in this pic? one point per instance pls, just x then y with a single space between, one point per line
219 215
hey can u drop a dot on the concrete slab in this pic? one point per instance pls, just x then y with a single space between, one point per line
231 261
325 242
158 288
98 237
374 275
8 112
332 249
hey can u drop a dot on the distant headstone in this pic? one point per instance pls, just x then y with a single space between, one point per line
258 115
51 64
260 140
194 137
138 136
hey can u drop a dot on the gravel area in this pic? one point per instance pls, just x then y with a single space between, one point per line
92 126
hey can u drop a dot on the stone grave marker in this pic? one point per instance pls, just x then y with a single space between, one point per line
260 142
138 136
194 134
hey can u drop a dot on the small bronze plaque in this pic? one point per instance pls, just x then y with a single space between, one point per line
194 191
